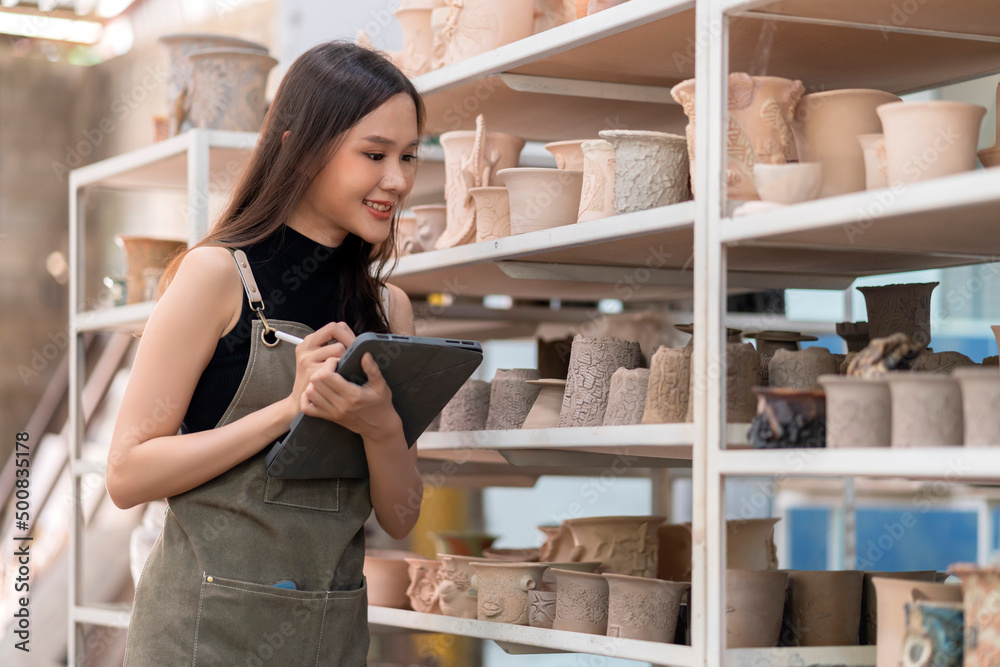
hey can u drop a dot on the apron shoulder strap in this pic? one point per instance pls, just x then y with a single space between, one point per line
250 286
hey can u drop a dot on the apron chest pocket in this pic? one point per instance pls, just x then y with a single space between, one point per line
312 494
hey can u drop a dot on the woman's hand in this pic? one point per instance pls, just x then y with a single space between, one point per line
365 409
325 346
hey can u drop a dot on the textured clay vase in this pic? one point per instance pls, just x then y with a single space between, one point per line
545 410
788 183
761 109
511 398
477 26
669 386
643 608
981 587
423 588
892 596
144 254
418 38
227 89
622 544
468 409
388 576
934 635
492 212
800 369
592 363
926 410
651 169
873 151
472 160
823 608
581 602
597 199
627 396
825 127
857 411
502 590
541 198
902 308
568 154
755 600
462 543
925 140
869 610
456 595
541 609
431 220
980 405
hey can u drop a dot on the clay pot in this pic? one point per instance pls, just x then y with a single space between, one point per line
568 154
900 308
669 386
627 396
511 397
755 600
406 232
749 546
925 140
892 595
431 221
553 13
581 602
643 608
622 544
855 334
823 608
597 198
441 35
926 410
541 198
456 595
418 38
857 411
541 609
825 128
477 26
423 588
558 546
674 553
462 543
545 410
594 6
525 555
873 152
145 255
470 164
468 409
549 577
388 576
502 590
990 157
934 635
592 363
788 183
942 362
227 88
981 587
869 610
980 405
759 128
800 369
742 375
492 212
651 169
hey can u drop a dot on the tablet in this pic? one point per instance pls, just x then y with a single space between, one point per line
423 374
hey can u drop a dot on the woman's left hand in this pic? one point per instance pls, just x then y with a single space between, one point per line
365 409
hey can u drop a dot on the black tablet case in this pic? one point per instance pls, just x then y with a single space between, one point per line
423 374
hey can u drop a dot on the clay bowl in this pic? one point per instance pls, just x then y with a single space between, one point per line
568 154
990 157
542 198
388 576
525 555
788 183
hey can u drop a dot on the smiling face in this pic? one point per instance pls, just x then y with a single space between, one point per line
363 184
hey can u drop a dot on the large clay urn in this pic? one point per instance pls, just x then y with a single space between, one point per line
423 588
477 26
418 38
502 590
826 125
651 169
431 220
926 409
387 573
227 89
904 308
823 608
980 405
925 140
592 362
759 129
981 586
581 602
622 544
892 596
597 198
857 411
541 198
643 608
755 600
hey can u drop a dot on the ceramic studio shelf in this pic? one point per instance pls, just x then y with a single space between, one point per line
841 656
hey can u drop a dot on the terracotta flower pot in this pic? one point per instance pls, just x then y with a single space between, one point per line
597 198
502 590
581 602
823 608
755 600
388 576
627 396
643 608
622 544
227 88
418 38
925 140
873 152
511 398
788 183
469 409
934 635
541 609
825 127
981 587
651 169
145 256
524 555
568 154
800 369
749 546
545 410
431 221
492 212
669 386
423 588
926 410
980 405
857 411
456 595
477 26
892 595
900 308
592 363
869 609
462 543
541 198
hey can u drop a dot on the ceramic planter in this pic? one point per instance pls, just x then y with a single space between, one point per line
823 608
545 410
388 576
926 410
227 88
423 588
511 397
462 543
627 396
622 544
857 411
873 152
468 409
525 555
900 308
651 169
855 335
755 600
597 198
541 198
892 596
934 635
980 405
146 256
472 160
541 609
581 602
800 369
477 26
749 546
558 546
825 128
669 386
418 38
643 608
456 595
502 590
761 109
981 586
431 220
788 183
592 363
869 610
568 154
549 577
492 212
674 553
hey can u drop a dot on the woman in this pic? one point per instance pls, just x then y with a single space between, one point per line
249 569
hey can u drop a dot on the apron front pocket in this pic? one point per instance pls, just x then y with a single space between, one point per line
322 495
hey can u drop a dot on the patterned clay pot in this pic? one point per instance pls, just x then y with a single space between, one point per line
825 128
788 183
980 405
456 595
749 546
462 543
431 220
511 398
477 26
502 590
742 375
823 608
900 308
934 635
592 363
755 600
800 369
759 128
669 386
627 396
545 410
541 609
541 198
492 212
869 610
418 38
981 587
643 608
549 577
925 140
857 411
558 546
568 154
388 576
651 169
423 588
581 602
406 232
926 410
622 544
469 409
873 151
597 198
892 596
227 88
142 255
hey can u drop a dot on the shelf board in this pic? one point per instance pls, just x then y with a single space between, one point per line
841 656
120 318
570 642
106 615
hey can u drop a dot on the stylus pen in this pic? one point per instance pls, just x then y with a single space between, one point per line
288 338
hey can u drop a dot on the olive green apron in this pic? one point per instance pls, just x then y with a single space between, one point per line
206 593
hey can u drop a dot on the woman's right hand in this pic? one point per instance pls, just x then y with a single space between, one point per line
327 345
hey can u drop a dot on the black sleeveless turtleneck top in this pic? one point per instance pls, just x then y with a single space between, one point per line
298 279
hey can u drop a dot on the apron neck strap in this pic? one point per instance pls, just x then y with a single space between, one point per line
250 286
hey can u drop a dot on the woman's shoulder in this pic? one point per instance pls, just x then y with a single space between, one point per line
399 310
